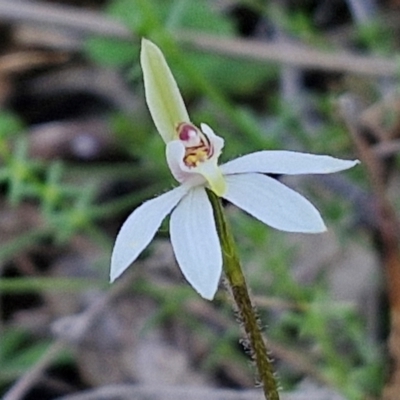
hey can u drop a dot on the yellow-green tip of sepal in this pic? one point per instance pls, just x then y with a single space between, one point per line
214 177
162 93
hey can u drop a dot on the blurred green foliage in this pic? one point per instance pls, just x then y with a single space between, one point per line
376 36
172 16
17 353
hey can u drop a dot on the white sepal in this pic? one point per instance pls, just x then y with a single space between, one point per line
195 242
286 162
273 203
162 93
139 229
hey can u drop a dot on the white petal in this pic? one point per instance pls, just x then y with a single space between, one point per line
175 152
216 141
273 203
286 162
195 241
140 227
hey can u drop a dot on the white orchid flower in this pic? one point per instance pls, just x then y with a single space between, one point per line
192 155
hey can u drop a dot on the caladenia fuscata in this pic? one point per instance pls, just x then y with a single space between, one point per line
200 235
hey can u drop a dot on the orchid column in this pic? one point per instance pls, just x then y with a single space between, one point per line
199 233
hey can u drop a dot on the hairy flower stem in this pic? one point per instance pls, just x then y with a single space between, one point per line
246 311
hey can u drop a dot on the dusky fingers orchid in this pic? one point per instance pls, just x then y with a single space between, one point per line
192 155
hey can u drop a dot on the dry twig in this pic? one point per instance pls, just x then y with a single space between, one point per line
291 54
63 17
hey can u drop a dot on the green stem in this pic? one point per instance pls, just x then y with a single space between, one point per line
247 312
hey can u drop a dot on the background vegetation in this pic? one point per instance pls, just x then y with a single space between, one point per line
78 152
